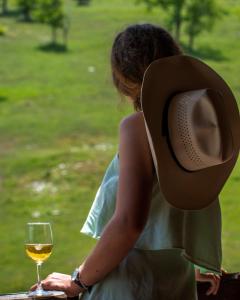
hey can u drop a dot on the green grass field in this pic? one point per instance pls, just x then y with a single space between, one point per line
59 129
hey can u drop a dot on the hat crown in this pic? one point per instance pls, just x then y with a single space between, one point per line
199 136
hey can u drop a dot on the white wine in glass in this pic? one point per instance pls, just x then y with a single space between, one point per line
38 245
39 252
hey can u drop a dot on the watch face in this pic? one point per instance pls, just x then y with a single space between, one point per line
74 275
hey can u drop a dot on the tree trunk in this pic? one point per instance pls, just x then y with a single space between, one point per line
178 29
178 20
65 36
27 15
54 35
4 7
65 30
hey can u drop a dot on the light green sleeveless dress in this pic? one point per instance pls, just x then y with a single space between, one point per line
161 264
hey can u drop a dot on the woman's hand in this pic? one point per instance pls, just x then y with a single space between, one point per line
214 280
60 282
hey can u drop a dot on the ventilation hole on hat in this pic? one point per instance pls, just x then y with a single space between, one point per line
184 133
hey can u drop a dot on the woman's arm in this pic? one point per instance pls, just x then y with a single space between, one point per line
130 216
132 206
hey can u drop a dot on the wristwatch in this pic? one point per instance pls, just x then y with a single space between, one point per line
75 279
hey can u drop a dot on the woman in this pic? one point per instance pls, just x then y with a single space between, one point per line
126 263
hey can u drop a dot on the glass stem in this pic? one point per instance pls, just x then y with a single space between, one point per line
39 285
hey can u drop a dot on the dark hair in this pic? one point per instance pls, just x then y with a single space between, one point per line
133 50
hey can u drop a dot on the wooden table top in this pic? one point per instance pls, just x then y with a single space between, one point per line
25 296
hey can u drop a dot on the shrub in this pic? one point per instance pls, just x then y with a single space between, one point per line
3 30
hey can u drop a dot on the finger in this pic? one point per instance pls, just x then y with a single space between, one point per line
206 277
214 284
210 290
217 284
49 285
54 276
212 287
58 276
197 273
33 288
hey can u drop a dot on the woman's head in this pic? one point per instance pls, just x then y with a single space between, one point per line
133 50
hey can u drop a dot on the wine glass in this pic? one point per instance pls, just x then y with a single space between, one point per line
39 244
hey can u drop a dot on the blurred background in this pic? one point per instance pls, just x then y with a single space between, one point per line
60 114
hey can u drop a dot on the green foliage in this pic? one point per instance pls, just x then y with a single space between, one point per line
4 6
26 7
3 30
200 16
196 15
51 12
174 9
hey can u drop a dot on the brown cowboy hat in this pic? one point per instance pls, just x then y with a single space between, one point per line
193 128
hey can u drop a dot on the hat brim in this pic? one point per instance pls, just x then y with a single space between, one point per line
162 79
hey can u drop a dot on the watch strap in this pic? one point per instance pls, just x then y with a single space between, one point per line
76 279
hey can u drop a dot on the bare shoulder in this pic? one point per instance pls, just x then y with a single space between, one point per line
133 123
134 147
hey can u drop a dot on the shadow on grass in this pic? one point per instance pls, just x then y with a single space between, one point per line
3 99
206 52
53 47
236 178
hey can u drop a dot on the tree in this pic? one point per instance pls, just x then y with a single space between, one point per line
4 7
196 15
26 7
174 8
200 16
51 12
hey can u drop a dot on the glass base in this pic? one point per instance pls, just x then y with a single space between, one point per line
42 293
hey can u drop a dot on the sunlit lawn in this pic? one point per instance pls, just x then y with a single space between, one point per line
59 126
